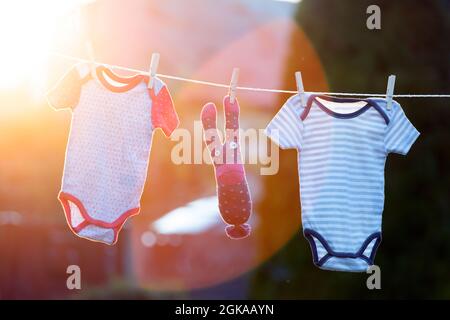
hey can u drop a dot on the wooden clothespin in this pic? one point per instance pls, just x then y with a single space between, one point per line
390 91
300 88
91 57
233 84
153 68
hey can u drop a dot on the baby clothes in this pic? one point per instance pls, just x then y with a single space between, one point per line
341 158
232 189
113 119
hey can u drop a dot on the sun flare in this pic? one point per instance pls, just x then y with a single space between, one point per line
27 29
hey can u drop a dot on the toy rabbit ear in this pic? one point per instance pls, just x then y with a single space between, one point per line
231 111
211 134
209 116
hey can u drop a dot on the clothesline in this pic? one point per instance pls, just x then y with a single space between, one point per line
220 85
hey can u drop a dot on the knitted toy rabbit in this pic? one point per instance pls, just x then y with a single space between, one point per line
232 189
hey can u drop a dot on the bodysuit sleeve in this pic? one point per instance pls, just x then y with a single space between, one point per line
164 115
400 133
66 92
286 128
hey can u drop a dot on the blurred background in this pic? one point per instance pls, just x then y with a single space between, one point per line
176 247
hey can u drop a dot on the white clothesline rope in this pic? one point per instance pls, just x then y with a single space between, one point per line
220 85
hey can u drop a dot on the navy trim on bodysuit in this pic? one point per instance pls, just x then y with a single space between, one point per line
370 103
311 234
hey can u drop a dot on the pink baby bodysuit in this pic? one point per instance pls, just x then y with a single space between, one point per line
113 119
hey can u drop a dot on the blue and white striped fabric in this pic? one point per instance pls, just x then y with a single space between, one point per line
341 162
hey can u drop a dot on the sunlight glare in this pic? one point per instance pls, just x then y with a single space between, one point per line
26 30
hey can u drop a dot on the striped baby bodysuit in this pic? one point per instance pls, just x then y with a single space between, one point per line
113 120
342 147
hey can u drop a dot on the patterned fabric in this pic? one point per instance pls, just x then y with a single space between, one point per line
341 158
108 147
232 189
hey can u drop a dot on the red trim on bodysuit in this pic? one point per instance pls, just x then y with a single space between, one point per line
116 225
130 82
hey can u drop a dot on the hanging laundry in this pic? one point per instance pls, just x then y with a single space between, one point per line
232 189
341 159
113 119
